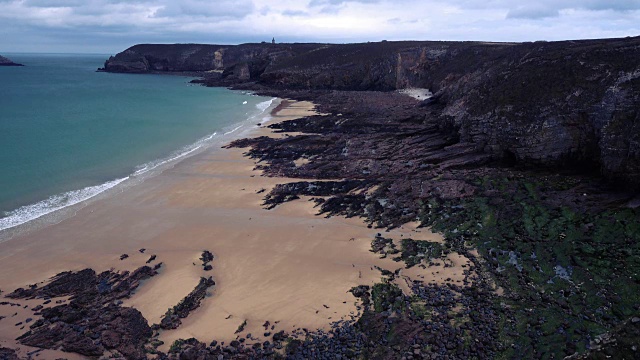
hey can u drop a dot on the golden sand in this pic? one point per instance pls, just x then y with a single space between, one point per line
286 265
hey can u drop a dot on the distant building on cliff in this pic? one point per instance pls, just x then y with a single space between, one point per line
273 41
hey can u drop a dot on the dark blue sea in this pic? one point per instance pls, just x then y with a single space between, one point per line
69 133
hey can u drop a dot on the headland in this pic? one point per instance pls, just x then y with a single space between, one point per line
479 200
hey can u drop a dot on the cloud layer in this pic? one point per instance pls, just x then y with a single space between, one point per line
111 25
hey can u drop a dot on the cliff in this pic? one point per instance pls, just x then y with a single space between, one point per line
6 62
570 104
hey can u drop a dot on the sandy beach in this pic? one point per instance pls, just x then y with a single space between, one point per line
286 265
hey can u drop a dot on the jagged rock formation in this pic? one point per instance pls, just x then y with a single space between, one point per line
560 104
93 322
8 354
6 62
171 319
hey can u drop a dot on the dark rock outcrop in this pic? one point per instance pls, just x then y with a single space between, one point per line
553 104
6 62
8 354
93 321
171 319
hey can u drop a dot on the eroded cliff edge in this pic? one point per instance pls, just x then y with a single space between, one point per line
559 104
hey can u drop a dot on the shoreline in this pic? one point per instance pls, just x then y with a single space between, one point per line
211 201
46 212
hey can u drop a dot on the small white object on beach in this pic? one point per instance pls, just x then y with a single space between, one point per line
417 93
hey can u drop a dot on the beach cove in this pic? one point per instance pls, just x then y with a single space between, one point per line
286 266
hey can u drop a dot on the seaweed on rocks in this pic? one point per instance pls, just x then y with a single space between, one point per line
568 275
282 193
621 343
171 319
415 251
93 321
561 244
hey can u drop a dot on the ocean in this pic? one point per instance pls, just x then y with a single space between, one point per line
69 133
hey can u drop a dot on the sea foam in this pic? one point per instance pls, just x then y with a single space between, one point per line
54 203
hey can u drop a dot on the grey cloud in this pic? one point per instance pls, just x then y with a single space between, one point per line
532 12
398 21
295 13
616 5
340 2
112 25
225 8
54 3
334 6
549 5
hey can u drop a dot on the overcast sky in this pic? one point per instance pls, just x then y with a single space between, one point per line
109 26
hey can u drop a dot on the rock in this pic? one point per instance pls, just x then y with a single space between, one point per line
206 257
279 336
6 62
8 354
171 319
91 313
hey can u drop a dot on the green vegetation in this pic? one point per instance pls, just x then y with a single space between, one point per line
414 251
570 275
386 296
176 346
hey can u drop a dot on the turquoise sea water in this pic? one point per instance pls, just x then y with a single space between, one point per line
68 132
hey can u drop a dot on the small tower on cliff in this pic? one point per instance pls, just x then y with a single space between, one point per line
273 41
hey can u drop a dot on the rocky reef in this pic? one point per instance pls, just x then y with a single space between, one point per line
93 322
6 62
563 245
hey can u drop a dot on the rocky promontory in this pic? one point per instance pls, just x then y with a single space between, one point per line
563 105
7 62
526 158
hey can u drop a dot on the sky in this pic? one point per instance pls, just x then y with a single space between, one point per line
110 26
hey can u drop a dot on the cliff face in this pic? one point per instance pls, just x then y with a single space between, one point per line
234 60
561 104
6 62
552 104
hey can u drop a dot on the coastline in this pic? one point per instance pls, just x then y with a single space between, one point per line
60 206
286 265
540 242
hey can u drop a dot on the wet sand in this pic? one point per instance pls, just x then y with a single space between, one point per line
286 265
